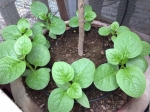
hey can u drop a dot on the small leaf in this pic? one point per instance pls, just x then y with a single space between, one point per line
139 62
129 44
104 31
23 46
113 38
75 91
42 16
11 32
37 8
57 26
105 77
59 101
83 101
89 16
145 48
39 39
26 72
36 29
84 72
122 29
63 86
10 69
87 26
114 56
28 32
39 24
7 49
114 26
87 8
23 25
39 56
38 79
74 22
62 72
132 81
53 36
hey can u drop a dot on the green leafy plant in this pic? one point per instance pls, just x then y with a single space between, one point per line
70 80
114 29
89 16
126 65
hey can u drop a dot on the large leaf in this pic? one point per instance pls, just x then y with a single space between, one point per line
114 26
87 8
75 91
89 16
139 62
84 72
39 55
62 72
59 101
23 46
129 44
87 26
36 29
10 69
114 56
11 32
105 77
145 48
37 8
122 29
7 49
23 25
39 39
83 100
57 26
104 31
132 81
74 22
38 79
63 86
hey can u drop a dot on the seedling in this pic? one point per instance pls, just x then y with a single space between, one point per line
89 16
70 80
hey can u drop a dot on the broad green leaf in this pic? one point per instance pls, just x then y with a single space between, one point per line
132 81
53 36
113 38
104 31
83 101
75 91
42 16
39 24
74 22
129 44
26 72
122 29
62 72
89 16
47 44
39 39
39 55
139 62
23 46
28 32
36 29
10 69
37 8
23 25
11 32
87 26
57 26
87 8
114 56
63 86
105 77
7 49
59 101
145 48
38 79
84 72
114 26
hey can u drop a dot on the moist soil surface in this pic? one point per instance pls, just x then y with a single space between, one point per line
65 49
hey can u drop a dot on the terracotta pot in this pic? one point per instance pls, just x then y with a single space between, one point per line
134 105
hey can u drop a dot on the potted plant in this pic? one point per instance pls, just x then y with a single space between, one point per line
25 52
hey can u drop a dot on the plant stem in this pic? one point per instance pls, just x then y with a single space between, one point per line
81 27
28 65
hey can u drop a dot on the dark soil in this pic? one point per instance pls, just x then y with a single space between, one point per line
65 49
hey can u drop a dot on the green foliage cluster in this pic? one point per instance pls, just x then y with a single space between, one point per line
89 16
